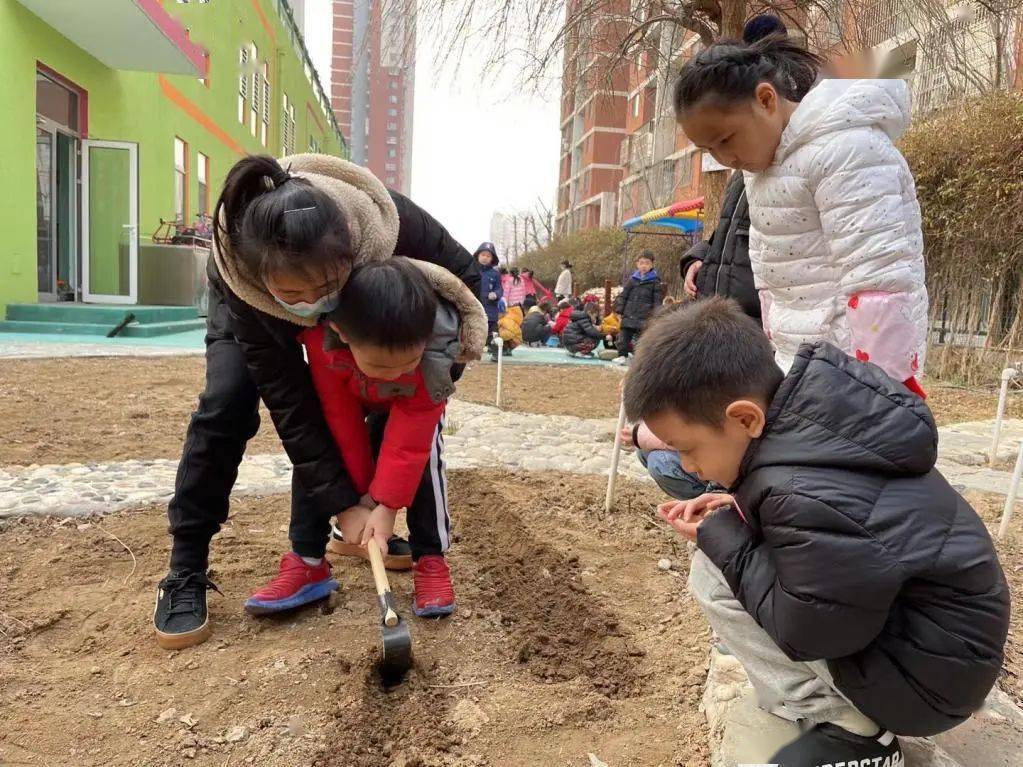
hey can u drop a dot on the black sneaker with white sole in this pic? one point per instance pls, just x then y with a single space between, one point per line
180 617
829 744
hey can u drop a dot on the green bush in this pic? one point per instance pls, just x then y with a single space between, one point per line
968 166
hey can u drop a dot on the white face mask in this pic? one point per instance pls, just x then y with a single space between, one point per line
327 303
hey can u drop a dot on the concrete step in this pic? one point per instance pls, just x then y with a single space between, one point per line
162 328
97 314
743 733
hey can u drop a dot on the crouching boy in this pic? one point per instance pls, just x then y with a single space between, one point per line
860 592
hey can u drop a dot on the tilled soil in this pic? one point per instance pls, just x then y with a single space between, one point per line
568 640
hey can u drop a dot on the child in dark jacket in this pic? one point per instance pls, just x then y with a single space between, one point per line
536 328
384 370
491 290
861 593
640 298
583 333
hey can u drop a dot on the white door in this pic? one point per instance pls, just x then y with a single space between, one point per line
110 222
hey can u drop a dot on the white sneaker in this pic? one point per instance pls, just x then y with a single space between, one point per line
620 361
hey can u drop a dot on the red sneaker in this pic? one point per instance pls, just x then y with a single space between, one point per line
435 597
296 584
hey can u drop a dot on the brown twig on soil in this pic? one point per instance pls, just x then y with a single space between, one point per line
455 686
16 620
134 561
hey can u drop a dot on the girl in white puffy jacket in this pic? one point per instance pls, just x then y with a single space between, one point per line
835 241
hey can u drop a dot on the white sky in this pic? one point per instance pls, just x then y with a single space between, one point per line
478 146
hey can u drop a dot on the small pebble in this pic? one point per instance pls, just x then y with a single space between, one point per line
664 564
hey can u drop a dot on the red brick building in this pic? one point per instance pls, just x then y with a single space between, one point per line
390 50
592 127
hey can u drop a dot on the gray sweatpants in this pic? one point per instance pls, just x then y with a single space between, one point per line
792 690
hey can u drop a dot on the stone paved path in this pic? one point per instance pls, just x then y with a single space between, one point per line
477 436
970 442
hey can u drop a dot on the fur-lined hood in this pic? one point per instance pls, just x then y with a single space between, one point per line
373 228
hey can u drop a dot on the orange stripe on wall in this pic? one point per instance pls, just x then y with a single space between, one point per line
312 113
199 116
264 20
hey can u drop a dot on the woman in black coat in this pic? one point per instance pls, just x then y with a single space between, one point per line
307 227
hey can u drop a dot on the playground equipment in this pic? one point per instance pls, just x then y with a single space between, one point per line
683 217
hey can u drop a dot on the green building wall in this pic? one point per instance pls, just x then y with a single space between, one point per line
147 108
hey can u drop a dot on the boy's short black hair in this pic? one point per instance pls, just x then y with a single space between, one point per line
389 304
697 358
647 254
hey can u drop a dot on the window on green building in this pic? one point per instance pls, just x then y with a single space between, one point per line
243 84
257 91
180 180
314 145
264 128
287 125
202 172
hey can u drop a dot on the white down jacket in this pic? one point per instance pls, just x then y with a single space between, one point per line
835 241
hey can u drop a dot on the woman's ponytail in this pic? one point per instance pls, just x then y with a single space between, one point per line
273 221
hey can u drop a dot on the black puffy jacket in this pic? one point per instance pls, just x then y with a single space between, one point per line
274 356
726 269
856 550
580 328
640 298
533 327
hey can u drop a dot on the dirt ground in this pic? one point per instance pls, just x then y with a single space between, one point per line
591 392
583 391
73 410
568 641
89 409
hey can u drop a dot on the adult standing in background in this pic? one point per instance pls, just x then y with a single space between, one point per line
564 288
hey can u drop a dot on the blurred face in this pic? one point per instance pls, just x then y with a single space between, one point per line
713 453
300 287
380 362
485 258
742 135
644 265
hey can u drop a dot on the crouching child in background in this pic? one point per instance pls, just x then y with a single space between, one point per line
582 334
861 593
384 367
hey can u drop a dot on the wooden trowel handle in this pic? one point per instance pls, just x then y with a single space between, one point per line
376 563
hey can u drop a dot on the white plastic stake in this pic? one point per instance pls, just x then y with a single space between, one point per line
616 453
499 342
1010 500
1007 375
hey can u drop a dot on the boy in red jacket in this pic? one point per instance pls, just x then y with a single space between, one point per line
384 366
